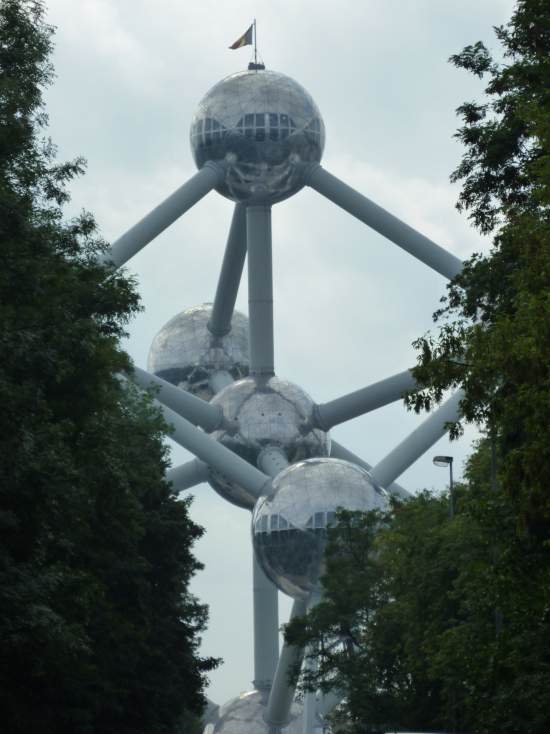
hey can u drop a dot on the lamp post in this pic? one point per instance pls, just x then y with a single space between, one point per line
447 461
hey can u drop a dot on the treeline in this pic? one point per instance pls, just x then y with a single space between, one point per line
98 630
432 623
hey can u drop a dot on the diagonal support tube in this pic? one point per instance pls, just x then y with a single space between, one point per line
162 216
215 455
197 411
187 475
340 452
230 275
383 222
359 402
418 442
282 692
260 289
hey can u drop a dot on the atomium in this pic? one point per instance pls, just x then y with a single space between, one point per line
186 354
268 412
257 137
289 527
263 127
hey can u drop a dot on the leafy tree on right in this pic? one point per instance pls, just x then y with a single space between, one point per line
438 624
493 338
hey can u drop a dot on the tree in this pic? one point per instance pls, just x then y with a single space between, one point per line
433 624
98 630
494 336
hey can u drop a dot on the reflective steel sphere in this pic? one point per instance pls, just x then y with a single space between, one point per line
263 126
268 412
245 715
289 527
185 353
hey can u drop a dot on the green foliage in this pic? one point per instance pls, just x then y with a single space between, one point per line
98 631
431 624
493 338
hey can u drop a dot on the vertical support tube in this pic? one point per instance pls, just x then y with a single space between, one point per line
310 665
282 692
265 595
260 289
266 628
230 275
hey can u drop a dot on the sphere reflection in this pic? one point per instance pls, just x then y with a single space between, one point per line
289 527
187 354
267 412
263 126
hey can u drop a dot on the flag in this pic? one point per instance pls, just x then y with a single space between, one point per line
245 39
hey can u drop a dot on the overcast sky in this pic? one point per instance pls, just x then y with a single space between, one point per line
348 303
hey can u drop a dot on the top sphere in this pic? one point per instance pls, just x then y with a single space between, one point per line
262 126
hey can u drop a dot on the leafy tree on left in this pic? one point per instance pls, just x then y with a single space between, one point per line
98 630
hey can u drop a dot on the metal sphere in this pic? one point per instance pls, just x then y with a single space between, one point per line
289 526
266 411
245 714
263 126
187 354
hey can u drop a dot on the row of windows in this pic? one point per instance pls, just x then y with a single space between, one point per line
258 126
275 523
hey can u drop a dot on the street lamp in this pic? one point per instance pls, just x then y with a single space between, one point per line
447 461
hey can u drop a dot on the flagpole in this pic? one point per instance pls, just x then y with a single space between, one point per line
255 43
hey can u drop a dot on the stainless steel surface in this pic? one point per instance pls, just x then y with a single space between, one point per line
260 290
417 442
230 275
187 354
163 215
268 412
289 526
386 224
263 126
216 456
245 715
189 406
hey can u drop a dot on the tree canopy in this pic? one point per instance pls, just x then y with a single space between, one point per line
434 623
493 338
98 629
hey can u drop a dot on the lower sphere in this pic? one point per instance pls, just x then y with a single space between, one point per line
245 715
289 527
